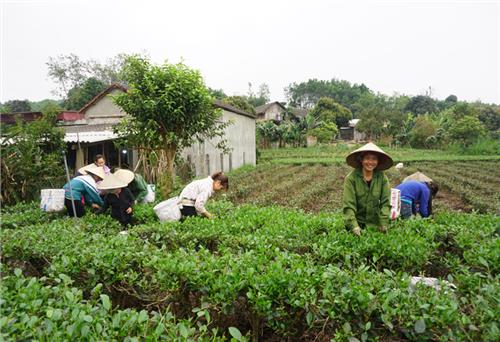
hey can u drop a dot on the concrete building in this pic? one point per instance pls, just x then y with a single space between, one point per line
90 132
351 133
240 136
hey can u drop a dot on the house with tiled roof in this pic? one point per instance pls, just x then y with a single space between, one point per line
90 131
271 111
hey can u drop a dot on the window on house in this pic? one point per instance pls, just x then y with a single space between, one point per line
230 161
244 158
222 162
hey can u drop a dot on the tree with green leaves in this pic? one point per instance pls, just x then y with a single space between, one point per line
79 96
70 71
31 157
218 94
268 132
262 97
307 94
422 104
16 106
489 115
423 128
466 130
327 110
240 102
169 108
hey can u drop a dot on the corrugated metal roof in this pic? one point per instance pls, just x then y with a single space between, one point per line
89 137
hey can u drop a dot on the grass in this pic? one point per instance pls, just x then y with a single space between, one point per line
335 154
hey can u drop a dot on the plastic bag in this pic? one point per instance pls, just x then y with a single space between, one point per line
168 210
150 197
52 200
395 203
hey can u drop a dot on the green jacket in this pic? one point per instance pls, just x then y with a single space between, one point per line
366 206
138 187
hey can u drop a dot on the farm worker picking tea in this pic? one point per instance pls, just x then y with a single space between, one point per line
117 196
84 188
366 197
196 194
417 192
137 186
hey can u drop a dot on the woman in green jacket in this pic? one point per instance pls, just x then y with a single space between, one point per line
366 197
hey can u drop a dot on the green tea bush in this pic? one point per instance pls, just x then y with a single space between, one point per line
273 273
39 309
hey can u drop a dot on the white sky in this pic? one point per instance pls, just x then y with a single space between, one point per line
391 46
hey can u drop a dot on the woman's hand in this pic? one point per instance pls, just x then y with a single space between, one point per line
129 210
356 231
95 206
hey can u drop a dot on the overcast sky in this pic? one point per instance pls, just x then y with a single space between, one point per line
391 46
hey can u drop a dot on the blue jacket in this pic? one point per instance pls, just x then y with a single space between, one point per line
83 186
417 192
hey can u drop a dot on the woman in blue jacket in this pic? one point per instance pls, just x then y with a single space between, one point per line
416 197
85 187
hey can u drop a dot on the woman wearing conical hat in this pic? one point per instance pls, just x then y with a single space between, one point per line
366 197
117 196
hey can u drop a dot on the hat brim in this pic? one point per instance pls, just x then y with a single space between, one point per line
385 161
92 169
111 182
126 176
419 177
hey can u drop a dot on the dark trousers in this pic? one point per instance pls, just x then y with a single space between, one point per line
80 209
406 208
188 211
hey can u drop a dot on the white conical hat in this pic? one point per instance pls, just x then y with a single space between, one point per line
93 169
111 182
384 160
419 177
125 175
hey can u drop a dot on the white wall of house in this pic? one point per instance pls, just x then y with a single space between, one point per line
240 135
104 111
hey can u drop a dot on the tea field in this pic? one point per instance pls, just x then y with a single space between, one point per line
264 273
336 153
275 264
464 185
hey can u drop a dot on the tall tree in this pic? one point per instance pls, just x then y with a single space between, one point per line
423 128
307 94
217 93
170 108
78 96
422 104
31 157
466 130
240 102
327 110
262 97
17 106
70 71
